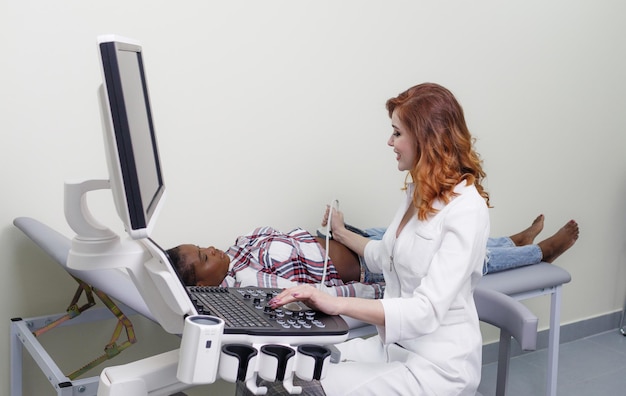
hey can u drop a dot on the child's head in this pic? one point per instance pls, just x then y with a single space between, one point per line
199 266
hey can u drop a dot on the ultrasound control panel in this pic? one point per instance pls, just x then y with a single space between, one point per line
247 311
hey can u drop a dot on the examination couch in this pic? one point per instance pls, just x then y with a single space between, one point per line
495 305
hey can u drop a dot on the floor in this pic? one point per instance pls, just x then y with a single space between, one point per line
592 366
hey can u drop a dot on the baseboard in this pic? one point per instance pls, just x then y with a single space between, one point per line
569 332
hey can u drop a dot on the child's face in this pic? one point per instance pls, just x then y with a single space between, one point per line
210 264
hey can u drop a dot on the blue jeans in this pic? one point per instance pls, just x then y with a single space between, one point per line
502 254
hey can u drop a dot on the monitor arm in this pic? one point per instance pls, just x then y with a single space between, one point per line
78 215
96 247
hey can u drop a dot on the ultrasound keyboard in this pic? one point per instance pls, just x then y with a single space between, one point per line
246 312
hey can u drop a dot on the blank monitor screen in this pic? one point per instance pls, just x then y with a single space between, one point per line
134 165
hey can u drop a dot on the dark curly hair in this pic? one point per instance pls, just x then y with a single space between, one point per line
186 272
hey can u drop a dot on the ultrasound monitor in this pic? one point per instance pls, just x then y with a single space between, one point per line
136 183
132 154
132 151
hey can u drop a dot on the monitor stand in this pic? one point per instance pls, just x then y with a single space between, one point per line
96 247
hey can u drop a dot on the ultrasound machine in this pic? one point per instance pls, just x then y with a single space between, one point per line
228 333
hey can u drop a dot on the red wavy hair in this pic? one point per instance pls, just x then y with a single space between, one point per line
444 145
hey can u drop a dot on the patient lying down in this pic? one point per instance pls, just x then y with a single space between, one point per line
266 257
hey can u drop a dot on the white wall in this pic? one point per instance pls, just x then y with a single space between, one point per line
267 110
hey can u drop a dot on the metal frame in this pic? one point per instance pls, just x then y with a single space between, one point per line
22 338
554 331
622 328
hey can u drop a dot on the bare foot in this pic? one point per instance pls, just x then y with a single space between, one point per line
564 239
527 236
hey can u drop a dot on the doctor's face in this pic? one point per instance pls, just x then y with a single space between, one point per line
210 264
402 141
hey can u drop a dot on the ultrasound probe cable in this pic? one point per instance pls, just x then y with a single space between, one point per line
334 203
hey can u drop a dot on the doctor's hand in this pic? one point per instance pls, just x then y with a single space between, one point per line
363 309
336 221
311 296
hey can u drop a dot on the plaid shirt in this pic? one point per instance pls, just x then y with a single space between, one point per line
269 258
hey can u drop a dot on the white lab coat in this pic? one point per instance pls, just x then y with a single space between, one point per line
431 342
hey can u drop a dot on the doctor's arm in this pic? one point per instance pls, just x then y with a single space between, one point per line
366 310
352 240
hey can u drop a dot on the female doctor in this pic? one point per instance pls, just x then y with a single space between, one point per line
431 256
